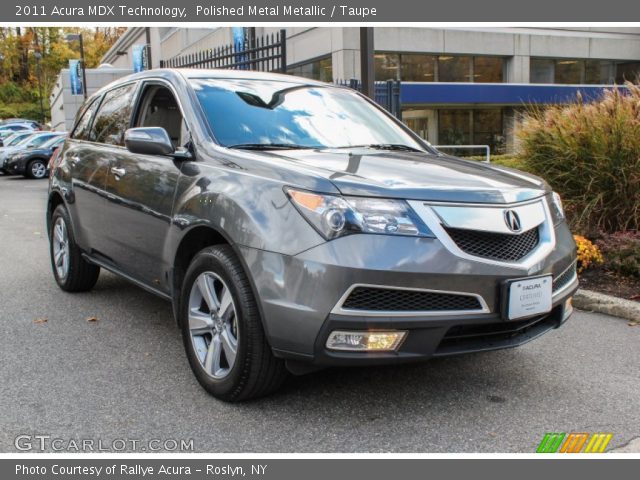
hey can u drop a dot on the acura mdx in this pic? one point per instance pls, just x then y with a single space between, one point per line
295 225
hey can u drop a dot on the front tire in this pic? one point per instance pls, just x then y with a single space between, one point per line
222 330
36 169
72 272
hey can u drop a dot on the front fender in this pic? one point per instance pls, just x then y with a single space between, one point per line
246 209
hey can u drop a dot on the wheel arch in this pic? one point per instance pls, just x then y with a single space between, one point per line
195 240
55 199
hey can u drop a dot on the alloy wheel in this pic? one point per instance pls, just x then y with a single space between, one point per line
38 170
61 248
213 325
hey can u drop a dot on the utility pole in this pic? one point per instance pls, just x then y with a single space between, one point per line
367 72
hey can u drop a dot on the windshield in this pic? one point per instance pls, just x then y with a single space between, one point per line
250 112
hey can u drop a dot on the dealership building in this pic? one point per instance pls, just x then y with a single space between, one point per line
459 86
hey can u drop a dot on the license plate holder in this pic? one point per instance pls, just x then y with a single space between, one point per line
526 297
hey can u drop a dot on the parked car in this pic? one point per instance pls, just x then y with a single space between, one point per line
11 142
35 140
33 162
35 125
15 138
296 225
8 130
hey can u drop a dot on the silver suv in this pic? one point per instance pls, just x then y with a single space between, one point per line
296 225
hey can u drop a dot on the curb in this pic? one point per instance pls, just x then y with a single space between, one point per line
607 304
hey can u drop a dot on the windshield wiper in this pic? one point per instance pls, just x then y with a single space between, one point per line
273 146
385 146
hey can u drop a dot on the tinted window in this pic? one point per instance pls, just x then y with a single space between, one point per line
54 142
321 69
83 125
15 139
114 116
454 69
418 68
488 69
39 140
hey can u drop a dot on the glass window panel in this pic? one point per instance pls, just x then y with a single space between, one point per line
454 127
114 116
417 68
81 132
541 70
387 66
627 71
598 72
454 69
569 71
321 70
487 129
488 69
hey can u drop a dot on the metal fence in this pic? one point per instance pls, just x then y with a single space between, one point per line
387 94
266 54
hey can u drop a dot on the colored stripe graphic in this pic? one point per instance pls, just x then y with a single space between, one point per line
550 443
574 443
598 443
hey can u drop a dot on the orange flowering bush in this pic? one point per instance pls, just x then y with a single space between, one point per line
588 253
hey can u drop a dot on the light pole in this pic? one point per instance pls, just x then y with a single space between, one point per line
70 37
38 56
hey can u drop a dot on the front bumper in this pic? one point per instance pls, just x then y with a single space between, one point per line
299 297
15 167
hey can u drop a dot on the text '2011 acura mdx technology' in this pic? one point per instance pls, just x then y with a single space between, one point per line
295 225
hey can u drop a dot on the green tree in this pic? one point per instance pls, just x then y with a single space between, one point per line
31 59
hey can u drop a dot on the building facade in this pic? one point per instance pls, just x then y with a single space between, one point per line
65 105
460 86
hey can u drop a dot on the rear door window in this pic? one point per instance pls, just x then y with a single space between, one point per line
114 116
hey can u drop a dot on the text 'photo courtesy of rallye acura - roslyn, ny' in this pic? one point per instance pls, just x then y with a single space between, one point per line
296 225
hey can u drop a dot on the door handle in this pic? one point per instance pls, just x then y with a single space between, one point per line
118 172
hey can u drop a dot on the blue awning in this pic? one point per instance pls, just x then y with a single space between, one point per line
496 93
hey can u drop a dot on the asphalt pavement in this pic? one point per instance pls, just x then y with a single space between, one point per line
125 376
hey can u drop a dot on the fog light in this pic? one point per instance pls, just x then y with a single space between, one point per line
378 341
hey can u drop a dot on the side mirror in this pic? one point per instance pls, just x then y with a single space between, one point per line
148 141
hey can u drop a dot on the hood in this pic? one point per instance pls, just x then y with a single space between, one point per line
416 176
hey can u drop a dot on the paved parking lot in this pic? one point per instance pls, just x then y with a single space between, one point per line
125 376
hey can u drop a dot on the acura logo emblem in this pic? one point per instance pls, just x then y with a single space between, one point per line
512 220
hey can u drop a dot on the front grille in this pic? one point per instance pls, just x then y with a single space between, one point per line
386 299
496 246
564 278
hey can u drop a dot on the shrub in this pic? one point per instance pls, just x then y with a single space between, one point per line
621 253
588 253
590 154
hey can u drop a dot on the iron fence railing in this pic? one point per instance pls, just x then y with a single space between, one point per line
266 54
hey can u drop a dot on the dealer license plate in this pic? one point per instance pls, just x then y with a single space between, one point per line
529 296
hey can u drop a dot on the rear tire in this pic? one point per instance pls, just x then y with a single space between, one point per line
222 329
72 272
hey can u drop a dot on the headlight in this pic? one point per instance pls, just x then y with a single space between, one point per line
557 210
333 216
